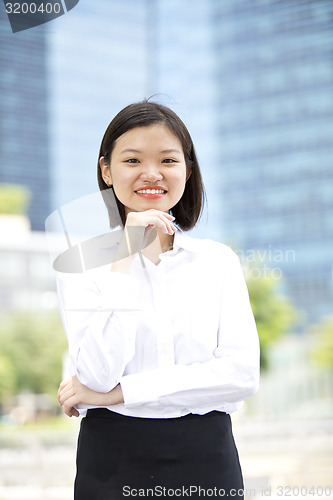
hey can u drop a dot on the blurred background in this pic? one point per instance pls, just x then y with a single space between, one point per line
253 81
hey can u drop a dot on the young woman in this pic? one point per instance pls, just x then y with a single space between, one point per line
165 346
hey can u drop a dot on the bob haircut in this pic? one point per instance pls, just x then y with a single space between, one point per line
142 114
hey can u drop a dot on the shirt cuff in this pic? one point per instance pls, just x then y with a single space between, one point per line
151 385
140 388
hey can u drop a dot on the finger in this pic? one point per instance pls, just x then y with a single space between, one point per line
65 382
169 225
65 395
71 412
147 217
68 411
72 401
163 223
168 216
162 226
172 227
63 387
60 393
160 212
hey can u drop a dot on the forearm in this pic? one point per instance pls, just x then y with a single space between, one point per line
90 397
72 393
113 397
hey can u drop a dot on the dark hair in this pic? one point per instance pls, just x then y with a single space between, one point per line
142 114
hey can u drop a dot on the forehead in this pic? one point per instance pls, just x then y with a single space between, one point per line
148 138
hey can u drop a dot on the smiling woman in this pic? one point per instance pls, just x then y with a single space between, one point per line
142 171
174 350
146 115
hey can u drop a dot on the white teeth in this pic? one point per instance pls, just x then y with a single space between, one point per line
151 191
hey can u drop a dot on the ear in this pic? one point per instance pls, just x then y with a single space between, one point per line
188 173
105 171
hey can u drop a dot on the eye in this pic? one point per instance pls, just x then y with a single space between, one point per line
132 160
169 160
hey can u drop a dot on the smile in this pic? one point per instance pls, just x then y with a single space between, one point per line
150 191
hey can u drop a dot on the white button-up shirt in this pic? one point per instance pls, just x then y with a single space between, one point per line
179 336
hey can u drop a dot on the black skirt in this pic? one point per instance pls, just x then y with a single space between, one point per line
122 457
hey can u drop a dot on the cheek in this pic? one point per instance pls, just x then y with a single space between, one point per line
179 182
122 182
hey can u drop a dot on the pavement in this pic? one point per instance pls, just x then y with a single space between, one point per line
280 459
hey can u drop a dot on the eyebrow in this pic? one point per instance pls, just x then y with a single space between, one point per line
171 151
130 150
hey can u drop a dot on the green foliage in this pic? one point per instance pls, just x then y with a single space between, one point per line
31 347
7 377
14 199
273 312
323 332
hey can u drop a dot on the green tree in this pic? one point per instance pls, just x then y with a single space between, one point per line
323 332
273 312
7 377
31 347
14 199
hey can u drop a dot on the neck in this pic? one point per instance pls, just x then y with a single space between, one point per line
165 240
162 243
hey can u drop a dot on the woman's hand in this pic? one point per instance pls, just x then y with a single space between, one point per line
71 392
137 235
139 225
152 218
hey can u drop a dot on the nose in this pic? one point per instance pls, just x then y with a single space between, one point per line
151 173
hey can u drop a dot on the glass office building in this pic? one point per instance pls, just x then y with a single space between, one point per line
24 132
184 65
97 64
275 124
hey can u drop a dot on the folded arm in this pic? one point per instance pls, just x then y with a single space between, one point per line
72 392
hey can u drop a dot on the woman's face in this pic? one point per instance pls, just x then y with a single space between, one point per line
147 169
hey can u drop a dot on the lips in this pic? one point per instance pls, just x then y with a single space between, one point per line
151 192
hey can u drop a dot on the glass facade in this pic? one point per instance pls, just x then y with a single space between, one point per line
185 61
275 124
97 64
24 135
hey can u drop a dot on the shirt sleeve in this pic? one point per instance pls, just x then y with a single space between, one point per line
100 318
232 373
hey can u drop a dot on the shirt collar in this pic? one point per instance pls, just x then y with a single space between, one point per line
181 241
185 242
